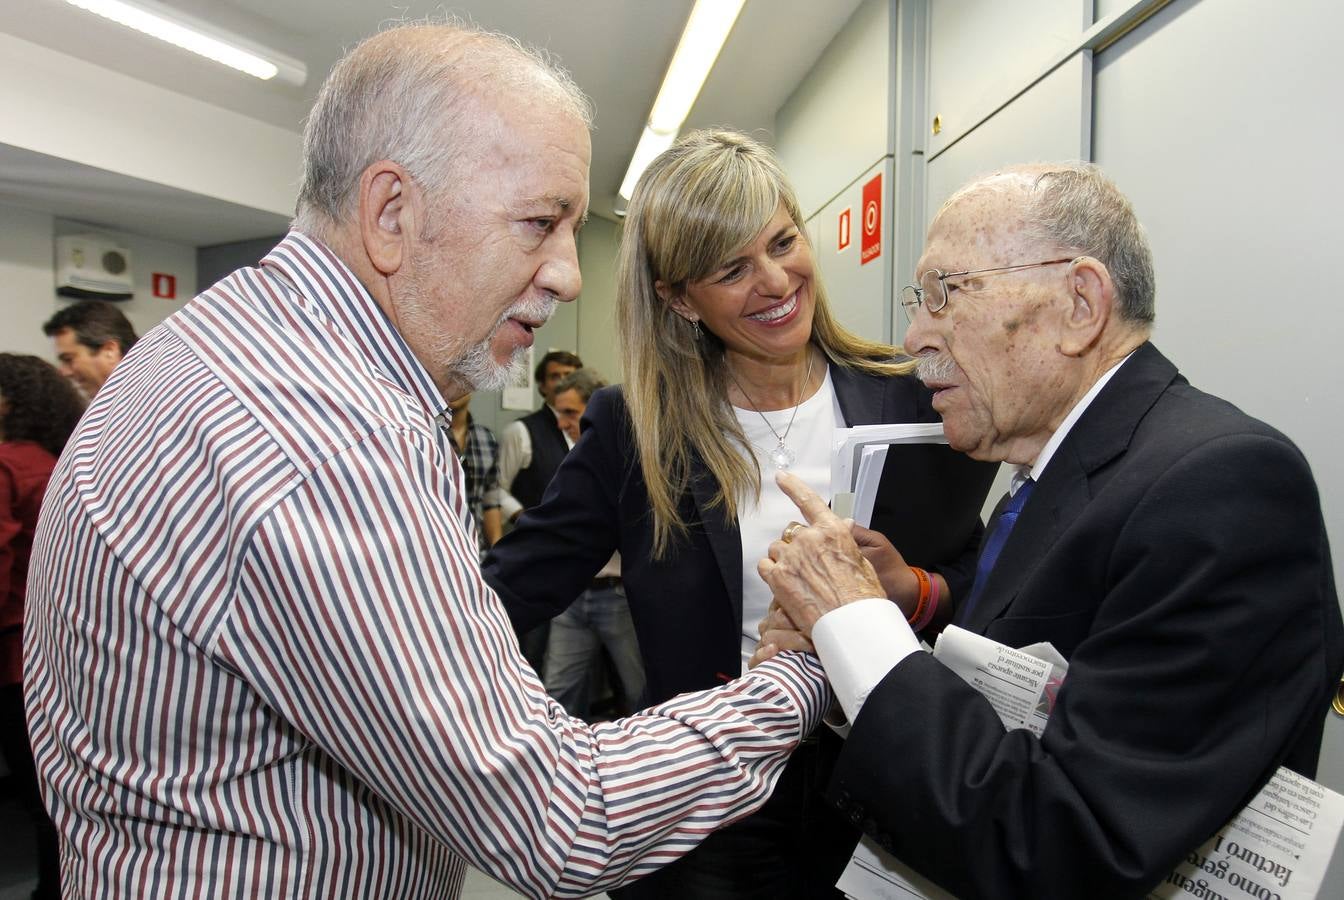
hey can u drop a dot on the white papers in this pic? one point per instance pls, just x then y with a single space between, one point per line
849 444
874 874
873 458
854 485
1278 846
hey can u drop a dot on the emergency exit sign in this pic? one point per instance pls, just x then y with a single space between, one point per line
870 247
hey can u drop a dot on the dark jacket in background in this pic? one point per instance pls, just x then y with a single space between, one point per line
548 451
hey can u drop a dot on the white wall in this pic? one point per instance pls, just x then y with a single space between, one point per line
27 280
596 306
97 117
834 134
27 284
834 126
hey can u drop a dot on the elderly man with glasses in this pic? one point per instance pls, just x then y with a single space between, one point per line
1170 546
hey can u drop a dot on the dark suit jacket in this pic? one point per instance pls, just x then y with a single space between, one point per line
1174 551
687 608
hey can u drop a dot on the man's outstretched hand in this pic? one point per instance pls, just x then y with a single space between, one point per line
820 567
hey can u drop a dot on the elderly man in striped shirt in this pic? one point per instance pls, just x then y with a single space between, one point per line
261 661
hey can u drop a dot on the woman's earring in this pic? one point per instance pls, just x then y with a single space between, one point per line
695 327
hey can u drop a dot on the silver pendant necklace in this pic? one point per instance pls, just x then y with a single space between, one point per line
783 455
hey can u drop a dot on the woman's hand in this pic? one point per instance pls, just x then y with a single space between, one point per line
901 584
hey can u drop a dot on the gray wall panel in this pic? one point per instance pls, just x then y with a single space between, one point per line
834 126
858 291
1052 120
981 52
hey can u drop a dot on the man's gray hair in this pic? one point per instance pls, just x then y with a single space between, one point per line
404 95
585 381
1075 206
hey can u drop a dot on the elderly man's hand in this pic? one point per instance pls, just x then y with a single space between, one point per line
778 633
820 567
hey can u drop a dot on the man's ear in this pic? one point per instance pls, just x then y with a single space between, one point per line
676 301
111 348
387 214
1091 300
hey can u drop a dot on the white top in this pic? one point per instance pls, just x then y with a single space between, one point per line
762 521
861 642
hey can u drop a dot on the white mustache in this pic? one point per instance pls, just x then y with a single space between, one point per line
938 368
539 309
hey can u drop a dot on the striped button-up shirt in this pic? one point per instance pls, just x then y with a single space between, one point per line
262 662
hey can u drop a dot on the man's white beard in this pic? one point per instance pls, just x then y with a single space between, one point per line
477 368
473 367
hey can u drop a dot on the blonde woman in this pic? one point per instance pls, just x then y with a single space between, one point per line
735 368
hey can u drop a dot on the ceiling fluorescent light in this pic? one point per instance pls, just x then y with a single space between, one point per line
705 33
171 26
651 143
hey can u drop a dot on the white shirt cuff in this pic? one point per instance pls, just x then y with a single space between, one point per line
508 506
859 643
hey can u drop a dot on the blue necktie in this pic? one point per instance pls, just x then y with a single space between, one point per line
993 546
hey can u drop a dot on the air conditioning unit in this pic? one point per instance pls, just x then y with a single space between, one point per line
94 267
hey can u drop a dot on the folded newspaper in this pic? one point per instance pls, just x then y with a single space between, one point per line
1279 846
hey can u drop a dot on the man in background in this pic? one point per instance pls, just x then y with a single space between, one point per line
1168 545
530 451
266 664
90 339
478 451
600 618
531 447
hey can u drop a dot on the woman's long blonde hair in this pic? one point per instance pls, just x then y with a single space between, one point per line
696 205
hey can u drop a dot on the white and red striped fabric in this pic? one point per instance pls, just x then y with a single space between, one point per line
261 661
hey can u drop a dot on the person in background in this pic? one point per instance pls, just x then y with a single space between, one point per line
262 661
736 367
531 447
1168 545
529 453
38 410
600 618
90 339
478 451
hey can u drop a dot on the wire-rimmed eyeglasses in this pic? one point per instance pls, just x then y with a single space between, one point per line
931 291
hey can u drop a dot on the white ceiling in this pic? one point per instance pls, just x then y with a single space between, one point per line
70 190
616 49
